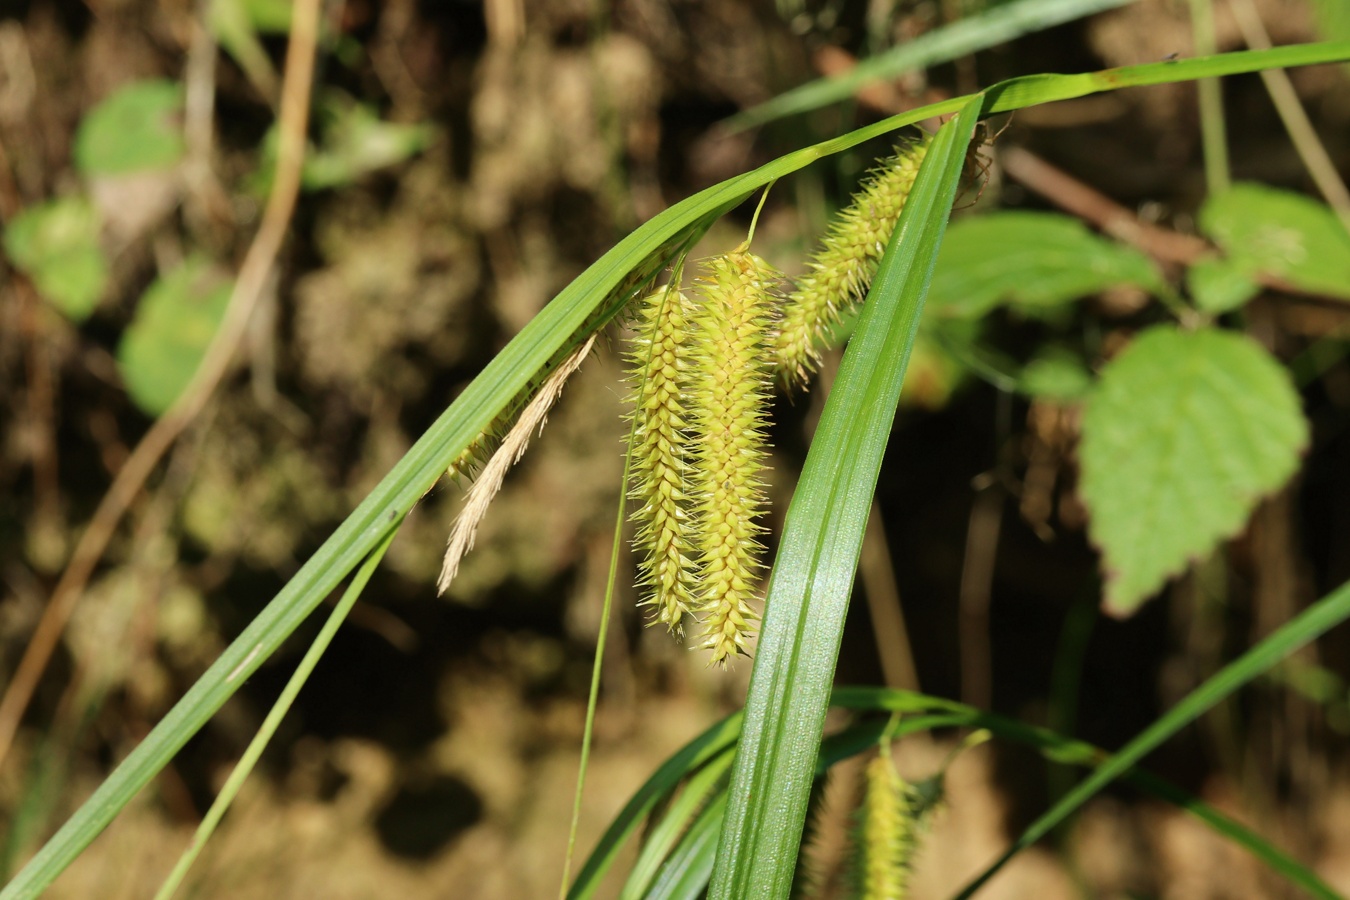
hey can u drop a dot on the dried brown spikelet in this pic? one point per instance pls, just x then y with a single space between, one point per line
660 467
507 454
729 387
841 271
885 833
474 457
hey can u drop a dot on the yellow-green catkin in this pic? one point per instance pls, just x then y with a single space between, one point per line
729 389
885 835
841 271
660 464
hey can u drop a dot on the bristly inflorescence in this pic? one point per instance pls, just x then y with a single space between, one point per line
840 273
660 462
729 388
885 836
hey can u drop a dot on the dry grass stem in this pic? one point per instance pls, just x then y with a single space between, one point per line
489 481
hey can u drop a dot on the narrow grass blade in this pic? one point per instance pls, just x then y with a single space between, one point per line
1059 749
926 713
663 781
705 783
273 721
822 536
1307 626
1031 90
995 25
684 876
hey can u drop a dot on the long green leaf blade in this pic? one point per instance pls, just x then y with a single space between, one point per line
822 537
994 26
1058 748
1307 626
705 783
685 873
689 758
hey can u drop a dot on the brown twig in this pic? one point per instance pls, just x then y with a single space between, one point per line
253 275
1073 196
1163 244
1301 132
977 588
876 570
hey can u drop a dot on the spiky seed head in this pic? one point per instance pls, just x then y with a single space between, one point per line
660 465
841 271
729 386
885 833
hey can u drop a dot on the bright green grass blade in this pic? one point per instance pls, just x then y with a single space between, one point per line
925 713
1307 626
996 25
684 876
688 759
1030 90
666 833
1069 751
273 721
556 326
822 535
1293 871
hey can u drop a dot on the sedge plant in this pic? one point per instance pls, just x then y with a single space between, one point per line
744 840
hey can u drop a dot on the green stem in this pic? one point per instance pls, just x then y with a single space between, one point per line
279 709
1213 131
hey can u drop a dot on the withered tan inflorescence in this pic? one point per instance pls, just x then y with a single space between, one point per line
841 272
729 388
660 462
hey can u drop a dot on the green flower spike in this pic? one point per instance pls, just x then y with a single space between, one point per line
885 836
659 465
729 387
842 270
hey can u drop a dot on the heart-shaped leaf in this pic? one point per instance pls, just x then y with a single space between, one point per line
1030 260
1288 235
1184 433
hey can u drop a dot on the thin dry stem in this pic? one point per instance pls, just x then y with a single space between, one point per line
1306 143
248 289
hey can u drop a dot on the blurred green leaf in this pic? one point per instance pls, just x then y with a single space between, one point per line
56 244
268 16
235 26
1218 286
136 128
175 321
1184 433
1056 374
935 372
1273 232
1333 18
1029 260
355 141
